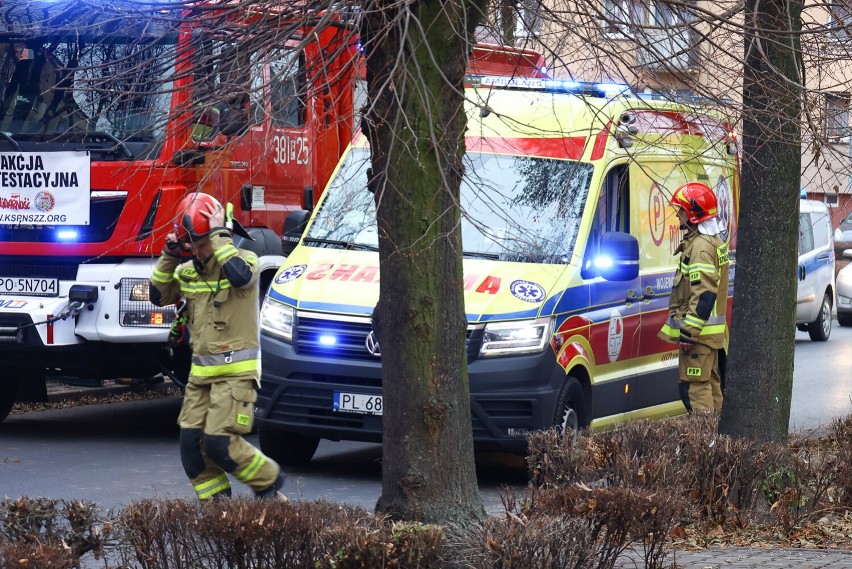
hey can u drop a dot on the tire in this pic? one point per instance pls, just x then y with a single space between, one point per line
844 319
8 395
286 448
820 329
571 414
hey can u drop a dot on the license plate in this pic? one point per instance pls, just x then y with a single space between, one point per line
357 403
29 286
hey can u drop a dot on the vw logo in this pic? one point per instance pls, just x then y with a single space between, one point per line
372 345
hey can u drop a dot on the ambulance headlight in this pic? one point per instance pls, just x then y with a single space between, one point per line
517 337
276 319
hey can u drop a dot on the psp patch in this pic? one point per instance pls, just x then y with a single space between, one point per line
527 291
290 274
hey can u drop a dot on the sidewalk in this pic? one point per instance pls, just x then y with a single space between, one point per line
750 558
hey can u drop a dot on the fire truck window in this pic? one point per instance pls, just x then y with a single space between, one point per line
287 86
228 74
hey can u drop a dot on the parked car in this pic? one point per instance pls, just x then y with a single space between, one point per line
844 292
815 297
843 233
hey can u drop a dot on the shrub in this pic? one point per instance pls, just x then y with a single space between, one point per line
36 556
616 518
521 542
44 524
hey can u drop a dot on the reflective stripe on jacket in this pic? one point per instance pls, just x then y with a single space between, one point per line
222 303
699 299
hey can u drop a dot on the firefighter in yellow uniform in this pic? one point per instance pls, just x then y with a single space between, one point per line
220 286
699 298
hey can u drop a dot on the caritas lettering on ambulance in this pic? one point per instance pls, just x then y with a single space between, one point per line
568 260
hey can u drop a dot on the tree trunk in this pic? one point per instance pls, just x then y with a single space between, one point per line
416 57
760 365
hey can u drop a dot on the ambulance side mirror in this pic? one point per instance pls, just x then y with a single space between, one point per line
617 258
294 227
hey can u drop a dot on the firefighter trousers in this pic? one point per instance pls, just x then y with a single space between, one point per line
700 378
212 420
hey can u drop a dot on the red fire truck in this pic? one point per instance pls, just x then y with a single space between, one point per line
108 119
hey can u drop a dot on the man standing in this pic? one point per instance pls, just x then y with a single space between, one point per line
219 284
699 298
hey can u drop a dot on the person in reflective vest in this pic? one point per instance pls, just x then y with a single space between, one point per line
219 284
699 300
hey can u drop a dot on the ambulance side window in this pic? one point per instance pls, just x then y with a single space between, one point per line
611 214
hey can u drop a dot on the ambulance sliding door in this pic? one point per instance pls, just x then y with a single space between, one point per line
653 181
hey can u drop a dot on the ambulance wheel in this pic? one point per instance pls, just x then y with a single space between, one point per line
286 448
8 394
820 329
571 412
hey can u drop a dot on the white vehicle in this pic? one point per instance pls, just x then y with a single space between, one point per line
815 297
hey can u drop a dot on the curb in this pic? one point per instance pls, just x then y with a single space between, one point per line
58 389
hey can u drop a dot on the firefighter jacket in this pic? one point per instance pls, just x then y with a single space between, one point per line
221 299
699 299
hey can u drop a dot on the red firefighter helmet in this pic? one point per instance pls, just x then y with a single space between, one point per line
191 223
698 200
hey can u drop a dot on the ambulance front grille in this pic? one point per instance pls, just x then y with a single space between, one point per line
350 338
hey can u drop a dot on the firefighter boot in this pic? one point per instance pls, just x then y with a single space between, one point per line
273 492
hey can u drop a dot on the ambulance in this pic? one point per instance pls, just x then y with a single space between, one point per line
569 260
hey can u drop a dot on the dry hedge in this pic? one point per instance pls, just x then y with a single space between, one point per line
590 498
720 480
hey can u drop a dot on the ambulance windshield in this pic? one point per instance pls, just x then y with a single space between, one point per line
515 208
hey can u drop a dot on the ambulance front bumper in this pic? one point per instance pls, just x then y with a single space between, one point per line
510 396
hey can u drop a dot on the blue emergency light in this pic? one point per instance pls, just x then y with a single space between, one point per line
595 89
327 340
67 234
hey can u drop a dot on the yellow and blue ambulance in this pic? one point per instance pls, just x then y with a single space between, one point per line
569 262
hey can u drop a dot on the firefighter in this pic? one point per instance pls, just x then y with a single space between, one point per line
219 284
699 298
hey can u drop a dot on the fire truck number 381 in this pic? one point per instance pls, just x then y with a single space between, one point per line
287 150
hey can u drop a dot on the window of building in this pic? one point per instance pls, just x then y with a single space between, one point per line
522 17
619 16
831 200
528 22
840 20
837 116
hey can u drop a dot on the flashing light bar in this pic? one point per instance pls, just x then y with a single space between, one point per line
607 90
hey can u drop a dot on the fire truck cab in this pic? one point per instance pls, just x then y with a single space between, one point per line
106 121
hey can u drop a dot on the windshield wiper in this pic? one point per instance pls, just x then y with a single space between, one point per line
8 138
480 255
342 244
119 144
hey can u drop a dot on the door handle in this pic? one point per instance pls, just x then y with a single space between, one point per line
802 272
